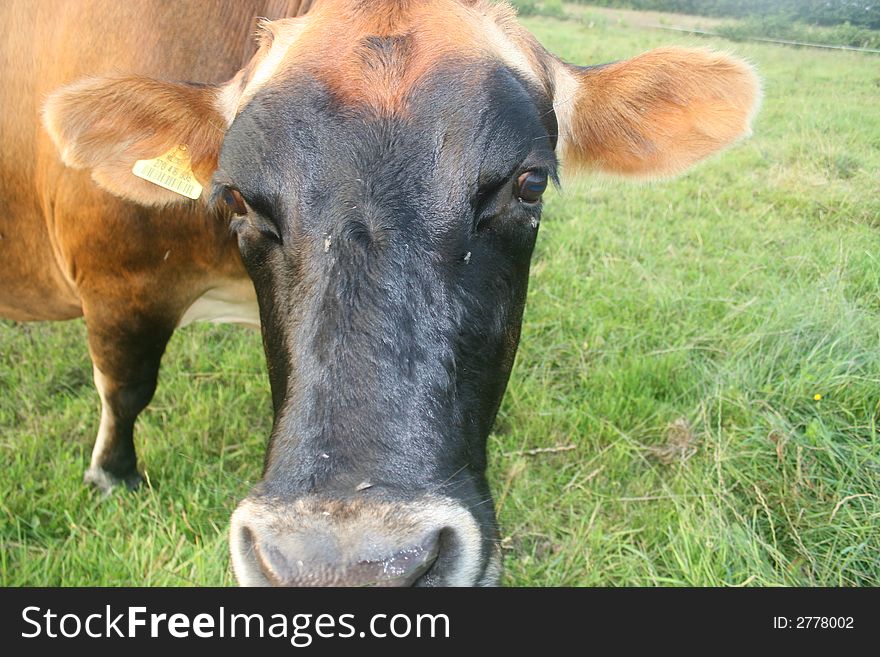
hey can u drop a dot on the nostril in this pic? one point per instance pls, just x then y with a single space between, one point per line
281 562
248 566
269 566
447 552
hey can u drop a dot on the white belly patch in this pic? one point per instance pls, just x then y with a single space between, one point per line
230 302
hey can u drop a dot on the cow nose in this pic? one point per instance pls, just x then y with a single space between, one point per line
315 541
318 559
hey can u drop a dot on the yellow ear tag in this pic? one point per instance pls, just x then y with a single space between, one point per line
171 171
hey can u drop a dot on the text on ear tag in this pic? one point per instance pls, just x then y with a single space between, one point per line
171 171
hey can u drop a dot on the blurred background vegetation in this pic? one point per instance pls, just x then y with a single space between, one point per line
829 22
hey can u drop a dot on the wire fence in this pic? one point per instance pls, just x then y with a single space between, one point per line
767 40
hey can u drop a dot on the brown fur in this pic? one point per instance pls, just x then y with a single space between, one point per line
106 124
60 230
658 113
374 52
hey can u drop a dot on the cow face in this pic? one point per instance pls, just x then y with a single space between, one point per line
382 166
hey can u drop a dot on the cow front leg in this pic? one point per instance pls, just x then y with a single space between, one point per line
126 369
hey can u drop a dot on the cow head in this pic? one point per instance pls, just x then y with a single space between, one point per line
382 165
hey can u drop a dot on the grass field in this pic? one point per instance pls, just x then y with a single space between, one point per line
709 345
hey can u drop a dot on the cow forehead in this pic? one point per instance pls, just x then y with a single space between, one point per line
374 52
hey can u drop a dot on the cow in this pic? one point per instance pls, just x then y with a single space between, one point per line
362 179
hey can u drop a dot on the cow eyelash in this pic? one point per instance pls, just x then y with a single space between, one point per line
242 215
234 201
530 185
515 178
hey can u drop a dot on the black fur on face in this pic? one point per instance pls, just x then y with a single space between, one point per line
390 256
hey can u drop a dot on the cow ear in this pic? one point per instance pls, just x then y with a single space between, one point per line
655 114
107 124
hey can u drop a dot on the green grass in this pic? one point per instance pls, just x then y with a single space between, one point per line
677 333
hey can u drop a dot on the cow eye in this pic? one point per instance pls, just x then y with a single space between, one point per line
530 186
233 198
